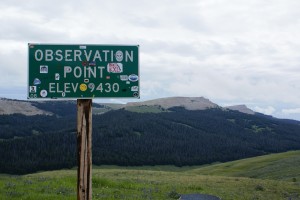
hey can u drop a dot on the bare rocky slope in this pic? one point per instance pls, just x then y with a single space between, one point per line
189 103
29 108
241 108
8 106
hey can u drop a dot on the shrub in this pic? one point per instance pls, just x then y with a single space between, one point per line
259 188
173 194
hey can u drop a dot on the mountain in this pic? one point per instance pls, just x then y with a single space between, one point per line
241 108
189 103
8 107
30 108
185 131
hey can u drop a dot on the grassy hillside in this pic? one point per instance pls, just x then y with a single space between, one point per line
149 136
167 182
281 166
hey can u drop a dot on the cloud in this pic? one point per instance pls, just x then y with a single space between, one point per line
268 110
233 51
291 111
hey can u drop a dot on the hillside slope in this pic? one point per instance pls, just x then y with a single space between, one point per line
8 107
189 103
280 166
159 182
30 108
177 137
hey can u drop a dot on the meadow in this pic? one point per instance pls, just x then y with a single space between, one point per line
275 176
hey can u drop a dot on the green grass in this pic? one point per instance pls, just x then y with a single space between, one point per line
281 166
276 177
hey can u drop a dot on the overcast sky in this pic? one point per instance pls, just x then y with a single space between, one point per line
229 51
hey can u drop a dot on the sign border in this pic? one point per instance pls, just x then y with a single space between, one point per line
74 98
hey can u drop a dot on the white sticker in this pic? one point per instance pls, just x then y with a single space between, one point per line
57 76
124 77
114 67
82 47
32 89
128 82
119 56
43 93
44 69
135 88
67 69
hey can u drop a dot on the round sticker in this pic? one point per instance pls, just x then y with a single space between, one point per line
43 93
91 86
119 56
83 87
133 78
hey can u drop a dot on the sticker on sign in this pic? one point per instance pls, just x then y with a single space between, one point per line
115 68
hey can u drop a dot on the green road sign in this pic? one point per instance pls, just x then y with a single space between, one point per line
83 71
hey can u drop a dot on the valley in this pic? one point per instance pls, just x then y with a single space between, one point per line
158 149
168 182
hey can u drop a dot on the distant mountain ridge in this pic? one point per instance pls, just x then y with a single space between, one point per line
120 137
9 106
30 108
241 108
189 103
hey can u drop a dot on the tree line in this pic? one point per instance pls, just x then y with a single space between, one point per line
178 137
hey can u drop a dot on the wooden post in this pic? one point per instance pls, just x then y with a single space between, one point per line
84 149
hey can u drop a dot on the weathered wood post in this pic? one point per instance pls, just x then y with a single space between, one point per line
84 149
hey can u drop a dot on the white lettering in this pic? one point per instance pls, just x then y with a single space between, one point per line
67 69
105 54
90 70
74 87
62 87
77 55
80 55
127 56
86 72
58 55
112 56
97 55
67 88
51 87
68 55
57 88
101 71
48 55
77 72
88 56
100 88
108 87
115 87
38 53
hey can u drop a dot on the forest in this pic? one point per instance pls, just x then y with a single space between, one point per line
175 137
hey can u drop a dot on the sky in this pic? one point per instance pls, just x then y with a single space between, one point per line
229 51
